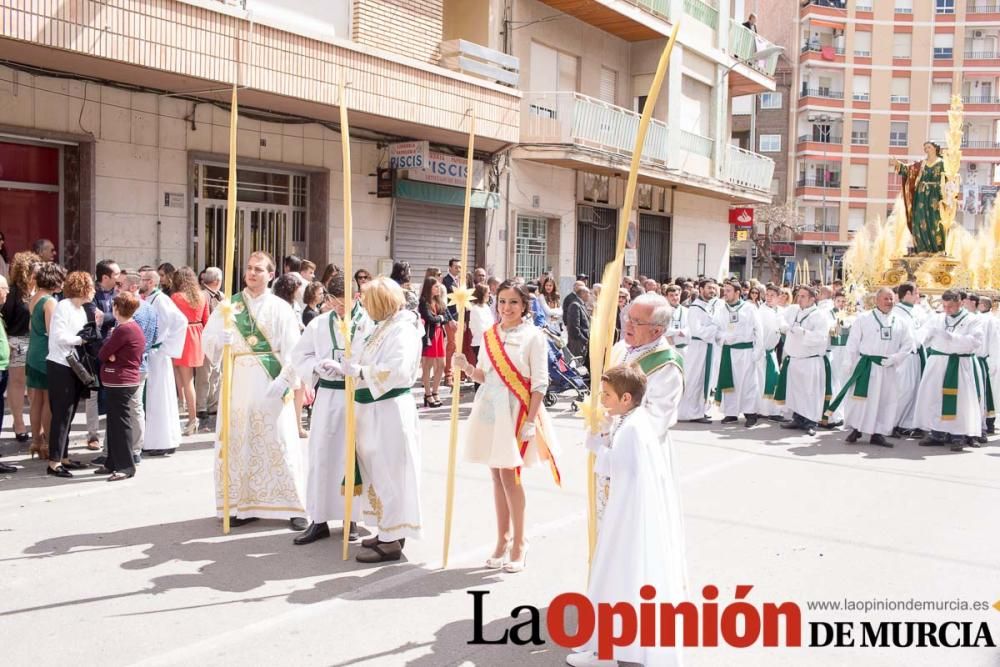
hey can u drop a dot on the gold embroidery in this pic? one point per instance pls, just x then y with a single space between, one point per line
375 502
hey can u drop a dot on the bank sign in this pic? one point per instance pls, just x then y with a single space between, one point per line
423 164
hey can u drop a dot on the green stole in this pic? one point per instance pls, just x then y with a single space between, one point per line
261 346
653 361
770 373
356 314
726 382
859 379
708 354
949 387
781 391
984 369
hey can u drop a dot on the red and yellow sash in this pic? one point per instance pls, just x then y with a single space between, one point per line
520 387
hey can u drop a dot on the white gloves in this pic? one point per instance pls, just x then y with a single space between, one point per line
276 390
328 369
889 361
349 369
527 431
227 336
595 441
459 361
796 329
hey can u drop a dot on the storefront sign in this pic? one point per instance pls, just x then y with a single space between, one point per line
741 217
448 170
409 155
384 183
782 249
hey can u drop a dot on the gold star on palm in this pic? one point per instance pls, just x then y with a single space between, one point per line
592 413
343 328
228 311
460 298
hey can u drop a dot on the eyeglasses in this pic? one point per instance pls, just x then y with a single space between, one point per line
628 320
364 276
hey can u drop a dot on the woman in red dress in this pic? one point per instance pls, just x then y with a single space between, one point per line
434 313
188 297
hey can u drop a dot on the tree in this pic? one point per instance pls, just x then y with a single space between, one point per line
776 222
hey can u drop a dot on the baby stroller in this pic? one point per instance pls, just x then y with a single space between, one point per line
565 372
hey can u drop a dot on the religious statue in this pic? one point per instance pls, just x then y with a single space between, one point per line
922 184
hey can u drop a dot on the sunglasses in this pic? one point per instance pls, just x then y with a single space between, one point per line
364 277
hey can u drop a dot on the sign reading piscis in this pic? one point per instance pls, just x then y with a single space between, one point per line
423 164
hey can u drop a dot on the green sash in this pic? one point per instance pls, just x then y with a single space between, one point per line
828 388
782 387
726 381
781 390
859 380
248 328
949 388
708 366
365 395
331 384
657 359
770 374
984 369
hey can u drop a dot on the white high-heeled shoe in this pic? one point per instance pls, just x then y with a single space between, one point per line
516 566
497 563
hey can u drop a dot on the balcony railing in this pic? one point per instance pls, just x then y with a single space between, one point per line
697 144
861 97
983 9
980 99
820 139
658 7
836 4
982 55
832 181
743 43
980 144
702 11
576 119
823 92
749 170
818 48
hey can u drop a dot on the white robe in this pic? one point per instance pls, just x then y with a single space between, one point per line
679 331
266 471
663 387
908 371
772 324
805 347
163 422
704 333
640 540
327 439
840 362
877 412
741 324
993 350
988 350
388 430
951 335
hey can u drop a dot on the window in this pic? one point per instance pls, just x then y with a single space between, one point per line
531 246
696 107
609 87
902 45
863 5
775 186
770 143
944 6
899 133
827 219
552 70
862 87
863 44
904 6
855 219
770 101
944 45
941 92
858 177
938 131
900 89
859 132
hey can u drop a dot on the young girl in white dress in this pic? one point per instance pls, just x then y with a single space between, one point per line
508 428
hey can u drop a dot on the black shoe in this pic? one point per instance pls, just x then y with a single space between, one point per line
298 523
22 437
236 523
154 452
99 460
315 531
897 433
75 465
202 415
169 452
369 542
810 430
878 439
931 442
751 420
854 436
6 467
59 471
829 426
777 418
103 471
791 426
136 458
704 420
981 440
730 420
958 447
915 433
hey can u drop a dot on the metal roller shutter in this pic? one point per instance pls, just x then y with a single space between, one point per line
430 234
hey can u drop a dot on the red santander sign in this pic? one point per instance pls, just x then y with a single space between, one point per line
741 217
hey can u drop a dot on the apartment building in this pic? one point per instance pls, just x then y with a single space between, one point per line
875 80
586 69
114 129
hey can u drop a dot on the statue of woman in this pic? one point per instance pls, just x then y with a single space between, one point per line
922 183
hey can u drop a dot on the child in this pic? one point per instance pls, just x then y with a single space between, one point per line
640 535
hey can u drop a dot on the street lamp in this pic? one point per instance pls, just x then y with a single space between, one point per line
825 118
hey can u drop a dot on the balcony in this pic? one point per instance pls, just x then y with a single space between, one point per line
631 20
980 99
982 55
980 8
574 131
703 11
821 139
750 76
830 182
824 93
179 47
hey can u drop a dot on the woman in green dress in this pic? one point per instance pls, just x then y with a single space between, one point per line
49 278
921 195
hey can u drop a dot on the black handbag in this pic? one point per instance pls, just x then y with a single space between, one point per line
81 367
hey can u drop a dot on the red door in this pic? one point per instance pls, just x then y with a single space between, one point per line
29 195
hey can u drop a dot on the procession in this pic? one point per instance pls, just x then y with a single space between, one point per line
427 332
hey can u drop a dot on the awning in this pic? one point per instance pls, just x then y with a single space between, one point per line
444 194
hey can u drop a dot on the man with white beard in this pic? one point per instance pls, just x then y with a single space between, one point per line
700 356
948 401
679 332
804 385
909 370
741 337
772 324
878 342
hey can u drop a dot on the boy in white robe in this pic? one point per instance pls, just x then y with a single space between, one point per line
163 423
318 353
640 536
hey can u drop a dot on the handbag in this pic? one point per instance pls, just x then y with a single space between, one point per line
81 368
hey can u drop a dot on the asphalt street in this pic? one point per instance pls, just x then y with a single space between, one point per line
138 572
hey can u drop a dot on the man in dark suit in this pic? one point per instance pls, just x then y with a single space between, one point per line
577 319
451 280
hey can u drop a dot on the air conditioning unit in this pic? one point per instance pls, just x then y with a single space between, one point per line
973 166
977 34
585 214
